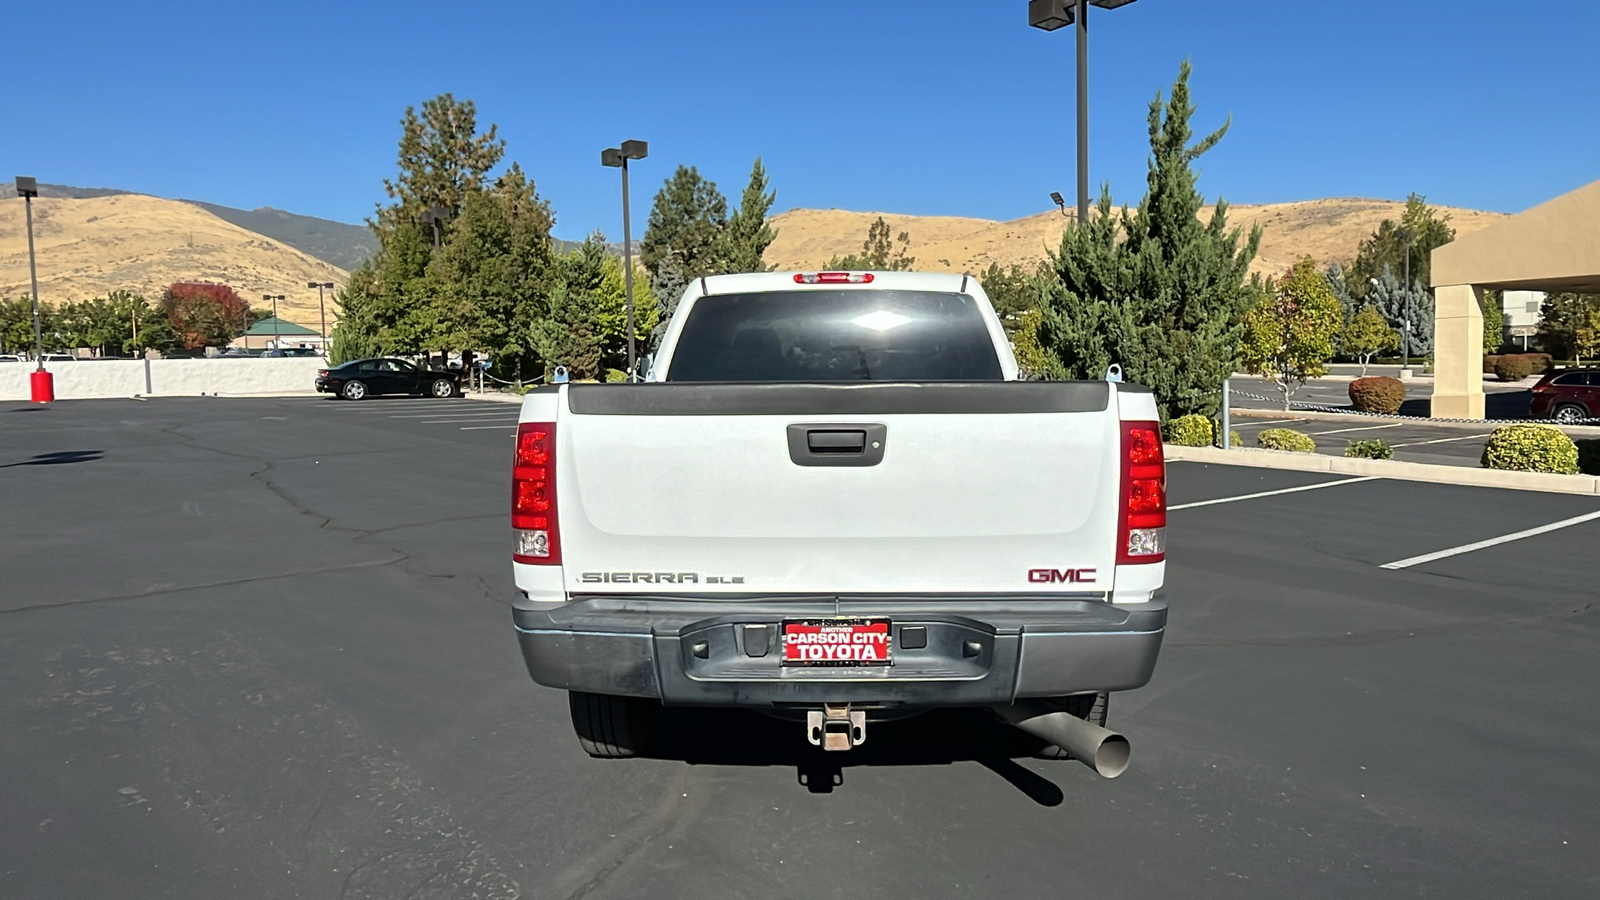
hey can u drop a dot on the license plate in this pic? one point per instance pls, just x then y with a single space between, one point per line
836 642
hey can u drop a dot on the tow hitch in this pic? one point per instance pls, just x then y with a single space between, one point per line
836 727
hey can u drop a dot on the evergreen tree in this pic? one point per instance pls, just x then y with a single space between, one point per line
667 283
686 221
442 158
748 234
1013 293
1167 299
1494 322
879 253
1387 246
569 335
1397 306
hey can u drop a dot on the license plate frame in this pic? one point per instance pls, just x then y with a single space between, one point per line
852 652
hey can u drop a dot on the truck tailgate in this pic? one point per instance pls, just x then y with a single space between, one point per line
978 487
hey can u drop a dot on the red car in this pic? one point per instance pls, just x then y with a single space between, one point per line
1567 395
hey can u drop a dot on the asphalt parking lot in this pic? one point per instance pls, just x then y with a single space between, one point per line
261 648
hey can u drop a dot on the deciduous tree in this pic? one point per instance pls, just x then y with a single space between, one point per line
204 314
1366 335
1289 334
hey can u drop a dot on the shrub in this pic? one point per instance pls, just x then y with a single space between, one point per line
1370 449
1192 430
1541 361
1513 368
1531 448
1589 457
1378 394
1286 439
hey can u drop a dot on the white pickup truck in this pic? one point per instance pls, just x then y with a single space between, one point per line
832 499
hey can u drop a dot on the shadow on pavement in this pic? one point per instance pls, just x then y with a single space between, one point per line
62 458
721 737
1496 405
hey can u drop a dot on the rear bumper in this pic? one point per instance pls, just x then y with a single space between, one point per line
978 652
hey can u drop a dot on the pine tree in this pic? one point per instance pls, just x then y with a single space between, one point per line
442 157
1391 300
1167 299
687 221
748 233
879 252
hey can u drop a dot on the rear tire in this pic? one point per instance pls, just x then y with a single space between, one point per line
442 388
353 390
1089 707
1570 412
610 727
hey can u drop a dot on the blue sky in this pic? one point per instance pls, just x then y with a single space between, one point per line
950 107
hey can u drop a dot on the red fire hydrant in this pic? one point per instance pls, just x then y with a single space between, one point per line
44 386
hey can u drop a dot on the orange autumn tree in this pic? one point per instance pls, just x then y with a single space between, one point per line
204 314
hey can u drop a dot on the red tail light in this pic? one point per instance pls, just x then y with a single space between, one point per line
833 278
533 496
322 373
1142 520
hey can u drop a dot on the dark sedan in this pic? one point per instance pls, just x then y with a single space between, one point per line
1567 395
361 378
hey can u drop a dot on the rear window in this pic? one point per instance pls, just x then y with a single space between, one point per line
841 335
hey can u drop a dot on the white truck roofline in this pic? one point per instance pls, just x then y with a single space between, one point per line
711 285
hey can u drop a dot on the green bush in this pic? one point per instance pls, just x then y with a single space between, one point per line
1589 457
1531 448
1378 394
1370 449
1513 368
1286 439
612 376
1192 430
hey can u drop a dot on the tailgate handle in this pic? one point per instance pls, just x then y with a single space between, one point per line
842 444
820 441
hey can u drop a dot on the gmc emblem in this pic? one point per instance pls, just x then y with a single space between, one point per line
1060 576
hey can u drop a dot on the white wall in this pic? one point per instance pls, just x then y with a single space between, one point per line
82 379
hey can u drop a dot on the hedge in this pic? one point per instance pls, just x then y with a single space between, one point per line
1286 439
1589 456
1541 361
1369 449
1531 448
1513 368
1377 394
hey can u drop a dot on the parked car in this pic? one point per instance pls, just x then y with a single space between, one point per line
361 378
1567 395
837 502
280 352
13 357
59 357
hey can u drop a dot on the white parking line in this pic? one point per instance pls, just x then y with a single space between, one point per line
1491 542
1439 441
445 414
468 419
485 428
1293 490
1365 428
1245 423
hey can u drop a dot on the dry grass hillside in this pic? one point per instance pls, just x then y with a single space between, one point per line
1324 229
89 247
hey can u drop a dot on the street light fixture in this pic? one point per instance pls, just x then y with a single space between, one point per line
322 309
41 382
1408 235
1061 204
617 158
274 298
1049 15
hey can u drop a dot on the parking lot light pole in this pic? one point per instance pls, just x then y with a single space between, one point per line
322 309
1048 15
276 345
41 382
617 157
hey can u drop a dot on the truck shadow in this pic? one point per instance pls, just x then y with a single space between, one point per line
721 737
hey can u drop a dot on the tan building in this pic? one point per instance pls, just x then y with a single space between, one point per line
1554 246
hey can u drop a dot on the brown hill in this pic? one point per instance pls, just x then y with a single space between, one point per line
1323 229
88 247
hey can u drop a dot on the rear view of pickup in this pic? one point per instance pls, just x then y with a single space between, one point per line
833 500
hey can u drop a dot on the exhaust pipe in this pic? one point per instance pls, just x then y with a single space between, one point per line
1101 749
